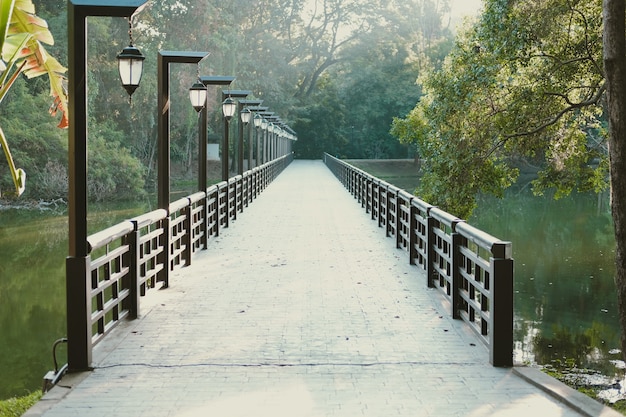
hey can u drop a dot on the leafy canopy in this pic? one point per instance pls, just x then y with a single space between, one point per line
521 88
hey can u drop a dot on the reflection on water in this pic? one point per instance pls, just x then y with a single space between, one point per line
33 248
565 299
565 303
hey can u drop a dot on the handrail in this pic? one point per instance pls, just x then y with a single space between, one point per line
127 259
472 269
108 235
149 218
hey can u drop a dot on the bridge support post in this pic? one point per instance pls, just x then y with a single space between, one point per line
78 292
501 284
78 305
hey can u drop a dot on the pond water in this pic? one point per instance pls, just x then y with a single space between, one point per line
565 304
33 248
565 300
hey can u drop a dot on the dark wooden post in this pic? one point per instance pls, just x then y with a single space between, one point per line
501 284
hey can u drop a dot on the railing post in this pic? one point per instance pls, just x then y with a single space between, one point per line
369 192
187 233
132 240
205 221
164 257
431 241
388 214
413 225
501 284
375 200
382 205
215 196
398 221
457 241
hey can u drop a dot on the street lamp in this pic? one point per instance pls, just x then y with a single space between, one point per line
202 146
264 126
77 266
245 113
164 59
257 125
202 138
229 107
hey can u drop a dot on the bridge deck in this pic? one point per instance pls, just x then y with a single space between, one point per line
300 308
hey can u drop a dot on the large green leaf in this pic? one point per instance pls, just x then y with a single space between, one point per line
6 9
21 36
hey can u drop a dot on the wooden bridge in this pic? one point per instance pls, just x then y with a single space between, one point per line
299 298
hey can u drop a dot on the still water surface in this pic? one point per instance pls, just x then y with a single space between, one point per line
565 305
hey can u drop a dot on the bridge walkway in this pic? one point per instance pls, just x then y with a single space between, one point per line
301 307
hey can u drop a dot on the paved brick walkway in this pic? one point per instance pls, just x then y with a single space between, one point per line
301 308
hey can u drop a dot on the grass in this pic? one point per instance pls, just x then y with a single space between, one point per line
15 407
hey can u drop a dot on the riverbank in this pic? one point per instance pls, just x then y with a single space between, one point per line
40 205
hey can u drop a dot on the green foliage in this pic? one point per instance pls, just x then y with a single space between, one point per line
523 86
113 173
337 74
318 124
15 407
35 140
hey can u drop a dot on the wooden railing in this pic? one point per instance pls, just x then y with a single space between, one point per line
473 270
129 258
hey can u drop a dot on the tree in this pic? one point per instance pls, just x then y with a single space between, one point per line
21 36
522 87
533 81
614 42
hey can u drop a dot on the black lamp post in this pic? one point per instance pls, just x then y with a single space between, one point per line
203 125
257 125
229 107
79 331
265 123
228 110
264 127
256 122
202 138
245 113
164 59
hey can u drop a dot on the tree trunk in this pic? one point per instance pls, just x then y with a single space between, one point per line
614 43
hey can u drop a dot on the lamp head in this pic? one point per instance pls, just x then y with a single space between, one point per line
197 95
228 108
245 114
130 66
257 120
